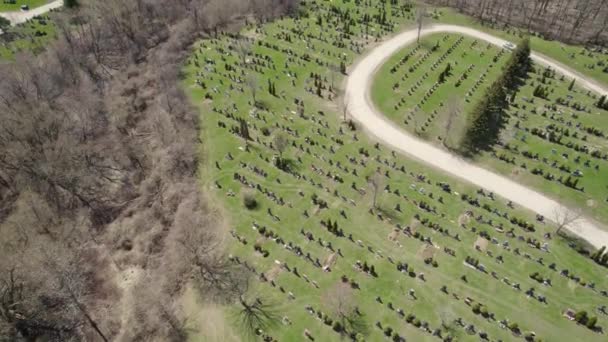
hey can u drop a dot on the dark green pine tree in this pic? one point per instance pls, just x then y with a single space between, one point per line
601 102
441 77
572 84
71 3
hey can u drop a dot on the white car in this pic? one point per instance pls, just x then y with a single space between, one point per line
509 46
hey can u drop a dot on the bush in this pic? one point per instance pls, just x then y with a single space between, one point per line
581 317
591 322
337 327
513 327
249 201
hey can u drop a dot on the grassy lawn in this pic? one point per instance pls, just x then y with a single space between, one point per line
593 64
7 6
549 134
329 161
31 36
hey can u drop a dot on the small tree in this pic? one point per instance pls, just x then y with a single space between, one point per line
280 143
244 129
581 317
343 306
252 83
420 20
572 84
243 49
453 110
375 181
564 217
256 314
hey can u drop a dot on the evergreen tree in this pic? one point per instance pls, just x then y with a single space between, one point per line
601 102
571 84
441 77
71 3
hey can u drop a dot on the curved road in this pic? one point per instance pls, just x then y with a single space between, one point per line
19 17
361 108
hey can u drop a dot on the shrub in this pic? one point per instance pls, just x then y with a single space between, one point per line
591 322
337 327
581 317
249 201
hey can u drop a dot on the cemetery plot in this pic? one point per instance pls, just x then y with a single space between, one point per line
591 61
423 86
345 238
31 36
16 5
554 134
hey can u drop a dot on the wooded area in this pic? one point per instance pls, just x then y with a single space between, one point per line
99 195
571 21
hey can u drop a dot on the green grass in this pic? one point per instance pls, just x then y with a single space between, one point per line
8 7
316 143
429 119
593 64
32 36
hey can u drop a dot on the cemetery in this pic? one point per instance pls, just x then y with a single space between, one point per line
346 239
16 5
553 134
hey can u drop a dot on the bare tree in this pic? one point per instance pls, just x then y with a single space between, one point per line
256 313
252 83
420 19
280 143
453 110
340 300
565 218
375 181
243 49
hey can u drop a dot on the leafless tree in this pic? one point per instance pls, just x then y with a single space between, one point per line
243 49
453 110
340 300
565 218
375 181
257 314
252 84
280 143
420 19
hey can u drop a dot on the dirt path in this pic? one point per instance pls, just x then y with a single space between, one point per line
19 17
361 109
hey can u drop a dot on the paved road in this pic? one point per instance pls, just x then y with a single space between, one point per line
361 108
19 17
